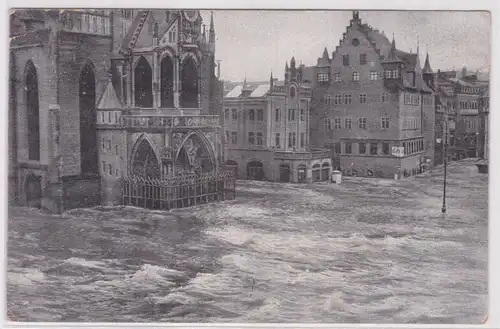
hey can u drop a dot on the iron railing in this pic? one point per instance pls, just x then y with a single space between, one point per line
178 192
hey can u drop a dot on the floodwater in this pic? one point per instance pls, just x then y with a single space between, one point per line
367 251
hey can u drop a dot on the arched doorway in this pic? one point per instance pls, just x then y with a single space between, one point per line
143 84
325 171
33 111
33 190
255 170
284 173
167 82
231 164
316 172
145 162
189 84
88 122
302 173
194 156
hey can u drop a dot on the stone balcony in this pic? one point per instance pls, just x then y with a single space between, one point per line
303 155
168 121
468 112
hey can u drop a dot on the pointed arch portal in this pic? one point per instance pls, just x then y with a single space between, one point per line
145 162
194 156
88 122
189 84
167 82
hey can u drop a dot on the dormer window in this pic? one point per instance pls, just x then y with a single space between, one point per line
323 77
292 92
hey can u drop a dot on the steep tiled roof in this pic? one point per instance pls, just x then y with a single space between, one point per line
260 91
109 99
308 73
408 58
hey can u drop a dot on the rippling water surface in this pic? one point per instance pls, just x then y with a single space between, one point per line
366 251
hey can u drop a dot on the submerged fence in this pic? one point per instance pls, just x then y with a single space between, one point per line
178 192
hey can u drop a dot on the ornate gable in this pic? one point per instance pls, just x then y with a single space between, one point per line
134 30
190 29
171 35
145 38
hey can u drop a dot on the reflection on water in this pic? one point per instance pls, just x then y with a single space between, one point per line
365 251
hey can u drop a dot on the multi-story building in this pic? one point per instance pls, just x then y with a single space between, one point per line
97 94
460 98
484 113
373 105
267 130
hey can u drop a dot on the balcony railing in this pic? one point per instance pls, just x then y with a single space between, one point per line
469 112
86 22
155 121
303 155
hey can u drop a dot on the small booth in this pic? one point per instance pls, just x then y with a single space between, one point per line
336 176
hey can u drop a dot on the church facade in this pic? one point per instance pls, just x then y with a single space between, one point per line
100 94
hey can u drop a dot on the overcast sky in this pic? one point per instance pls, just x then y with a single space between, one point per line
253 43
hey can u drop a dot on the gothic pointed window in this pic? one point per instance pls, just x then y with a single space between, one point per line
189 84
33 113
88 122
167 82
143 84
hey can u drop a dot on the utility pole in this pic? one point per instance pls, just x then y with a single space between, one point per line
445 151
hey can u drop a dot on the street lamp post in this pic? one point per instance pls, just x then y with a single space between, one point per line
445 151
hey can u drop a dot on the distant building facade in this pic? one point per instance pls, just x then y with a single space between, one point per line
98 94
460 97
484 116
373 106
266 130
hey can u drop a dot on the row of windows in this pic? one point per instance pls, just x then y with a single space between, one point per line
471 90
251 138
103 144
251 114
324 77
232 137
108 169
292 140
373 148
411 99
412 147
258 139
363 148
412 123
260 115
391 74
93 24
108 118
346 59
414 99
337 123
346 98
468 104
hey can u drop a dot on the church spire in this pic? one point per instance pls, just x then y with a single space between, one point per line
212 29
355 16
325 54
427 65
